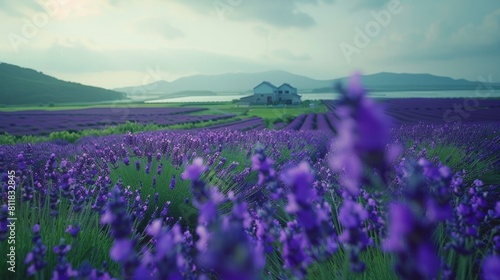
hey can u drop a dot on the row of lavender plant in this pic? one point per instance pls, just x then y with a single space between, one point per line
296 123
323 124
245 124
309 123
35 125
313 121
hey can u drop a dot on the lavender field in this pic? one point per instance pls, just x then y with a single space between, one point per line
368 190
438 110
44 122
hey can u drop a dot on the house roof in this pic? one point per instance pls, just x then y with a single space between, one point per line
286 84
246 97
267 83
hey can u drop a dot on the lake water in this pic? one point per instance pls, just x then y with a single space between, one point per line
329 96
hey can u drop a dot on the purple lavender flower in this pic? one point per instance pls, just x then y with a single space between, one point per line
54 201
50 167
497 209
267 229
121 250
300 179
410 238
376 221
267 175
100 201
73 230
126 161
352 217
208 212
172 182
468 218
230 252
200 191
153 184
78 200
156 198
138 207
65 184
313 219
363 133
294 249
159 169
4 214
166 258
478 183
86 271
491 268
496 244
263 164
21 162
36 258
402 225
116 215
194 171
63 268
27 193
121 228
164 212
154 228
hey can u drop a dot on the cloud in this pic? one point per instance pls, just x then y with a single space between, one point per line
78 57
485 34
286 54
365 4
14 9
261 31
160 27
445 40
59 9
278 13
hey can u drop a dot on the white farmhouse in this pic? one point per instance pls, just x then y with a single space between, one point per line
287 89
268 94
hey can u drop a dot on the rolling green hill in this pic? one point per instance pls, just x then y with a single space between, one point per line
20 86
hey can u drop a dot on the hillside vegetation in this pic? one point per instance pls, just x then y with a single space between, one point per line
26 86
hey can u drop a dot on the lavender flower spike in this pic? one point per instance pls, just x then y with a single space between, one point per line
193 172
363 133
491 268
36 258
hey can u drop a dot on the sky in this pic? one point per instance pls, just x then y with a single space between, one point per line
118 43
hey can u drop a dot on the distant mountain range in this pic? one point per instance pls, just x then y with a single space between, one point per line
385 81
20 86
223 83
243 83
